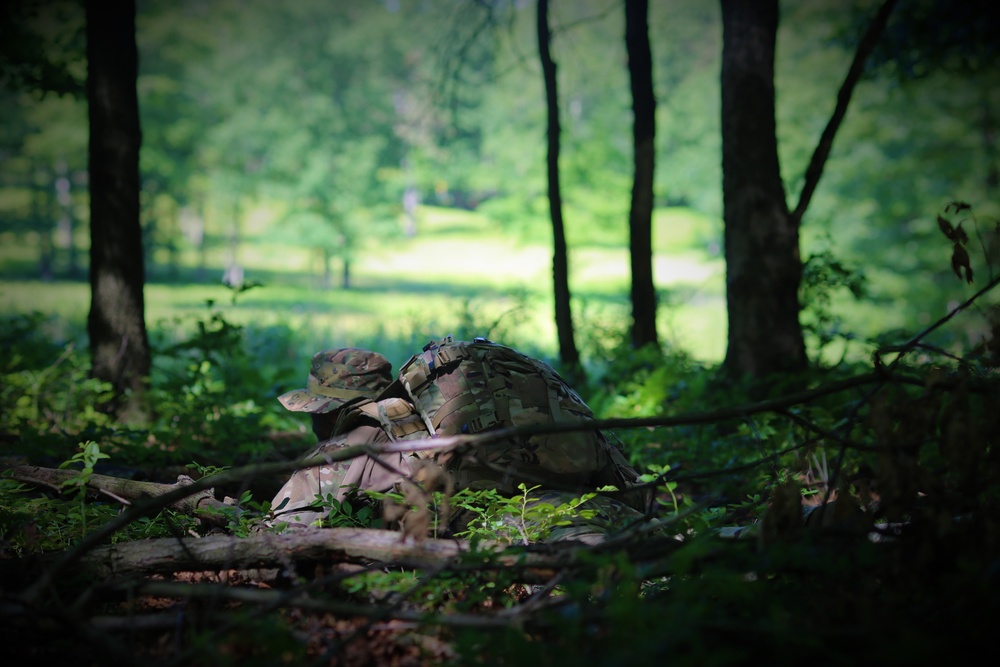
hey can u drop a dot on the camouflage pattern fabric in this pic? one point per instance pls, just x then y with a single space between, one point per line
293 502
451 388
338 377
469 387
341 478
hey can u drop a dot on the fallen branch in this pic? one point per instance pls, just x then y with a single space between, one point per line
124 490
222 552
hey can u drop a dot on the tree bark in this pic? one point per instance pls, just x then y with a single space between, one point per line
215 552
640 223
568 353
116 325
125 490
763 265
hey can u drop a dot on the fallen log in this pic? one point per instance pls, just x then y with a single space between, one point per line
126 491
263 550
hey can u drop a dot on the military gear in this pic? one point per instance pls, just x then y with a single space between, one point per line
454 387
373 423
338 377
469 387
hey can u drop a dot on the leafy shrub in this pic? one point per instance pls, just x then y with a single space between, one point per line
31 522
520 519
824 275
46 391
214 392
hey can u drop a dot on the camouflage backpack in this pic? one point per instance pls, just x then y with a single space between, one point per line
462 387
468 387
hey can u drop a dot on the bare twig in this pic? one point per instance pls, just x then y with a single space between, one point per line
822 152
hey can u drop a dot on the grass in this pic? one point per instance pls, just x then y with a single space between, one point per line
460 274
460 269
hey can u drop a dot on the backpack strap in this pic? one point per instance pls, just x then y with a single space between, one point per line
351 415
453 405
420 371
414 376
396 417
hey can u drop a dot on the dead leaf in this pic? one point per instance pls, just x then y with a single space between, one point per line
960 235
946 228
959 261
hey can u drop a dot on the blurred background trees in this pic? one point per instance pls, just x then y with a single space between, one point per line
324 127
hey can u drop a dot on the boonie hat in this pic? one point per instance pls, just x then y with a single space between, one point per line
339 376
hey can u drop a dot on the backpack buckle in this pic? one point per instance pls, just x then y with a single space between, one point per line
480 423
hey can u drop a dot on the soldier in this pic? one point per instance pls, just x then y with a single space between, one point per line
450 387
340 381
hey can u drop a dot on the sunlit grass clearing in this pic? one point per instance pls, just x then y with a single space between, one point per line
426 285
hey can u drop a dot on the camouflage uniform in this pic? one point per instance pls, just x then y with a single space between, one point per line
341 478
339 381
352 397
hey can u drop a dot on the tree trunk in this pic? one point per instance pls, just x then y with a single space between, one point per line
568 354
640 222
763 266
201 240
73 257
41 213
235 232
326 274
116 324
988 129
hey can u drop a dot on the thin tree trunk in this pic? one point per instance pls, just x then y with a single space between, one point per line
41 213
116 324
325 273
763 266
988 129
63 200
568 354
234 272
69 217
201 240
640 67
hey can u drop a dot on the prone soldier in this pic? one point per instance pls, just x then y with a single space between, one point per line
453 387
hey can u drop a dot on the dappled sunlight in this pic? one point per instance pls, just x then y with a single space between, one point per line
418 286
490 261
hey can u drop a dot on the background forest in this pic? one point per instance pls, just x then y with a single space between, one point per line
331 174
